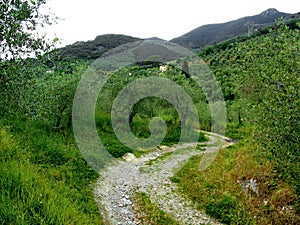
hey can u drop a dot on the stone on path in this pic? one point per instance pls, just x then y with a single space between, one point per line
128 157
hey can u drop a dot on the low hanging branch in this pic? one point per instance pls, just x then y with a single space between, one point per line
19 20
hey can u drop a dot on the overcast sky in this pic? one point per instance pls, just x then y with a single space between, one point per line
83 20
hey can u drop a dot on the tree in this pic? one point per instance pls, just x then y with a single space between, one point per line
53 98
19 20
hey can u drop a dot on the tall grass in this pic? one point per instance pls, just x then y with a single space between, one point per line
43 178
219 192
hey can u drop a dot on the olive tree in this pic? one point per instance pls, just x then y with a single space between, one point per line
19 21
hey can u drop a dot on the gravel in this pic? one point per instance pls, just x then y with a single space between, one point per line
150 174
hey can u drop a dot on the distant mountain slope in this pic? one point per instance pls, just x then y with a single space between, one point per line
215 33
94 49
155 39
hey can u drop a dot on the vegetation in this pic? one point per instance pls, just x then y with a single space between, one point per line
147 108
293 23
149 213
44 178
39 157
260 80
19 21
219 189
42 171
212 34
91 50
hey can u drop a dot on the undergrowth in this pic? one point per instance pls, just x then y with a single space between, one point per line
149 213
219 189
43 179
140 128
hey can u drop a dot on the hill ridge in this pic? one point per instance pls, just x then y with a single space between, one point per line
215 33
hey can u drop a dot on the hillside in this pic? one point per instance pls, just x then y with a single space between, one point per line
155 39
94 49
48 178
215 33
198 38
260 80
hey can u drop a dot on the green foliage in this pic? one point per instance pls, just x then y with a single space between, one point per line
151 214
231 43
108 137
262 76
260 79
147 108
30 87
218 189
43 179
53 97
211 34
19 21
214 190
223 209
43 173
91 50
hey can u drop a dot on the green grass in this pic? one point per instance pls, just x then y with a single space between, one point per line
140 129
209 190
203 137
149 213
43 179
217 191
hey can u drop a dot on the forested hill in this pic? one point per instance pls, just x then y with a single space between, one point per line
95 48
198 38
260 83
215 33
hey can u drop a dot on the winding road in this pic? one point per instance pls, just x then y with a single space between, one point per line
150 174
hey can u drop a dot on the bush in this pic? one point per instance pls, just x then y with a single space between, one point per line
223 209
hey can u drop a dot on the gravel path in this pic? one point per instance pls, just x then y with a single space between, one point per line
150 173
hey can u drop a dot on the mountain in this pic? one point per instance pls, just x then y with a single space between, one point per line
155 39
214 33
94 49
197 38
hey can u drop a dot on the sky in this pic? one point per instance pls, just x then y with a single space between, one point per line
82 20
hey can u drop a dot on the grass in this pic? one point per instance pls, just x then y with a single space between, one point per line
217 190
202 138
43 179
149 213
139 129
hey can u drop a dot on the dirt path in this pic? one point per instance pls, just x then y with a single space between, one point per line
150 174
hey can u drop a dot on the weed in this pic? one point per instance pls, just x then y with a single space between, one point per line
149 213
43 178
217 190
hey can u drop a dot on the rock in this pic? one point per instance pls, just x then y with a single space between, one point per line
165 148
249 186
128 157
